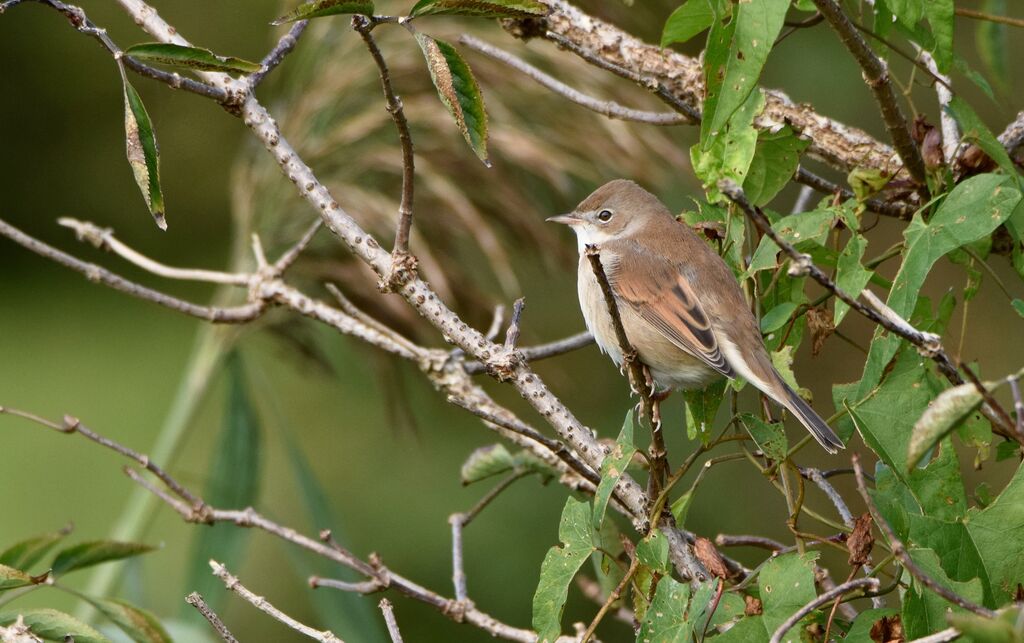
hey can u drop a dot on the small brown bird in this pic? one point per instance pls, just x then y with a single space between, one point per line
681 307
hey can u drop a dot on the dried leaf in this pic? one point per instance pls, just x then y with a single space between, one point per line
708 555
458 90
142 151
889 629
819 322
752 606
860 542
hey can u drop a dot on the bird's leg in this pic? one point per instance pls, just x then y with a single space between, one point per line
655 397
767 409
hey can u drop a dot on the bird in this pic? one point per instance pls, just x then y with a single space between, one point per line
681 307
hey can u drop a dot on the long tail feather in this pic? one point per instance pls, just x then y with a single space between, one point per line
821 431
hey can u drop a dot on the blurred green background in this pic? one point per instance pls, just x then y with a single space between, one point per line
391 476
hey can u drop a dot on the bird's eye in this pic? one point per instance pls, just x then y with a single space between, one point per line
604 216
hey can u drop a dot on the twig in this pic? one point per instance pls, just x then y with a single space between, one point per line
496 321
612 597
990 17
363 587
195 599
276 55
822 599
876 75
262 604
512 334
289 256
608 108
728 540
990 400
394 107
1018 403
815 476
900 551
942 636
389 620
541 351
944 93
897 209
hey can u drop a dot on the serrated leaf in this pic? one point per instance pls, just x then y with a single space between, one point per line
559 567
480 8
11 578
770 438
851 275
701 409
612 467
322 8
786 584
189 58
947 411
688 20
140 625
675 616
458 90
233 483
776 158
93 553
28 552
143 152
54 626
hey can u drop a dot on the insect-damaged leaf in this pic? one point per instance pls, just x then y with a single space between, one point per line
321 8
458 91
560 566
612 468
142 151
189 57
480 8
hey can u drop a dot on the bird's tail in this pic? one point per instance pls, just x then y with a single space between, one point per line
821 431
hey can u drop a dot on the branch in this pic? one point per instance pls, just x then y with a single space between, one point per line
196 600
263 605
1012 137
950 129
389 619
276 55
394 107
541 351
898 209
608 108
991 17
876 75
901 554
822 599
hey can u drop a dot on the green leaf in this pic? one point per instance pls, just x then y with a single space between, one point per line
776 158
860 629
786 584
652 551
949 409
612 468
139 624
782 360
11 578
777 317
486 462
28 552
746 630
802 230
924 612
233 484
770 438
143 153
974 209
973 129
940 17
559 567
851 275
990 39
458 90
701 409
54 626
688 20
1018 305
674 615
1004 628
997 532
480 8
190 58
729 153
867 181
93 553
321 8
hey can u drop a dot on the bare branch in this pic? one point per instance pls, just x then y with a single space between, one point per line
991 17
1012 137
822 599
365 587
263 605
727 540
195 599
876 75
900 551
542 351
942 636
897 209
512 334
815 476
608 108
950 129
276 55
389 619
288 258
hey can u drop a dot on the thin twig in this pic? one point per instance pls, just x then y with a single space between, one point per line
195 599
876 75
276 55
822 599
389 620
608 108
262 604
990 17
394 107
512 334
942 636
541 351
815 476
900 551
612 597
363 587
897 209
1018 403
730 540
290 255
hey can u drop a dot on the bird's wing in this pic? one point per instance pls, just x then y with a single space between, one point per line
659 292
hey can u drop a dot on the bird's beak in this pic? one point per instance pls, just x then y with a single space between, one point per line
566 219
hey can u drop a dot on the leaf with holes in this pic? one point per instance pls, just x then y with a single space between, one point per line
322 8
770 438
776 158
458 90
612 468
480 8
786 584
142 151
676 614
560 566
189 58
851 275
